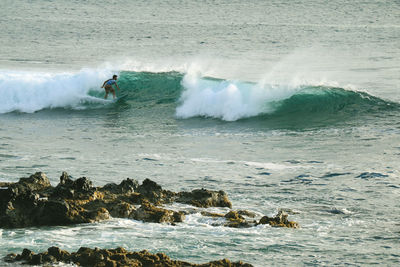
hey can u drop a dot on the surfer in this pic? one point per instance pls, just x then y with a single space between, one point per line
107 85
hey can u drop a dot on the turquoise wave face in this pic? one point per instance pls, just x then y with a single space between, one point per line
235 100
319 100
154 88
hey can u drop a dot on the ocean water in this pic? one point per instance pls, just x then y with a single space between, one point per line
290 105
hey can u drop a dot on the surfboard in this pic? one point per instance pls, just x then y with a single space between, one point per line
119 98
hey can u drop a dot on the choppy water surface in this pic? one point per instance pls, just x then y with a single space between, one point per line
290 106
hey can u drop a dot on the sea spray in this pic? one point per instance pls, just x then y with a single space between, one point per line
229 100
185 95
32 91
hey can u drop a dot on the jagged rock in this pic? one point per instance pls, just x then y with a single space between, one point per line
149 186
234 215
34 202
204 198
150 213
212 214
233 219
19 201
236 220
4 184
57 253
53 212
100 214
34 182
10 257
122 210
26 255
83 184
247 213
111 257
126 186
68 188
151 191
280 220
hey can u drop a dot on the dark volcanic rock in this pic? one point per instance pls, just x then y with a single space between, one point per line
4 184
280 220
126 186
151 191
233 219
33 201
236 220
204 198
35 182
19 202
111 257
150 213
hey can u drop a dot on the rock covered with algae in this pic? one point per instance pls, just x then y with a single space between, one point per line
33 201
110 258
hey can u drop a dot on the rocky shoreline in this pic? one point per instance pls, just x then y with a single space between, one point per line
109 258
33 201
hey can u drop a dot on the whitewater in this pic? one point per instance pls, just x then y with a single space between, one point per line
290 106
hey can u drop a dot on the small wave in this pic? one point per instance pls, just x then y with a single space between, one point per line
367 175
339 211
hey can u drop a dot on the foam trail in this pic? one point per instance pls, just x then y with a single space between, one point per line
228 100
32 91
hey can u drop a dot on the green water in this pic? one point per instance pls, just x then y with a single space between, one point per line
282 105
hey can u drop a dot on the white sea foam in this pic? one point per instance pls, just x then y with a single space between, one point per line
32 91
265 165
228 100
231 100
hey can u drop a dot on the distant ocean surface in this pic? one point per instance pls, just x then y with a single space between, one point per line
290 105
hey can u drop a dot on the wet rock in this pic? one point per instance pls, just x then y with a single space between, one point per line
126 186
34 202
233 219
236 220
36 259
122 210
10 257
35 182
53 212
151 191
204 198
149 186
26 255
111 257
100 214
150 213
212 214
57 253
19 201
247 213
280 220
234 215
4 184
68 188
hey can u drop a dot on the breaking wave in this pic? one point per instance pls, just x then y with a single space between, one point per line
189 95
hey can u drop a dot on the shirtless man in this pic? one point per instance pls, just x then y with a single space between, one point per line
107 85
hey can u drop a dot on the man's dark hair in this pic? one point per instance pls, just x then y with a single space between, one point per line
115 76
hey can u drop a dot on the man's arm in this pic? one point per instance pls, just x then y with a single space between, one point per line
105 83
